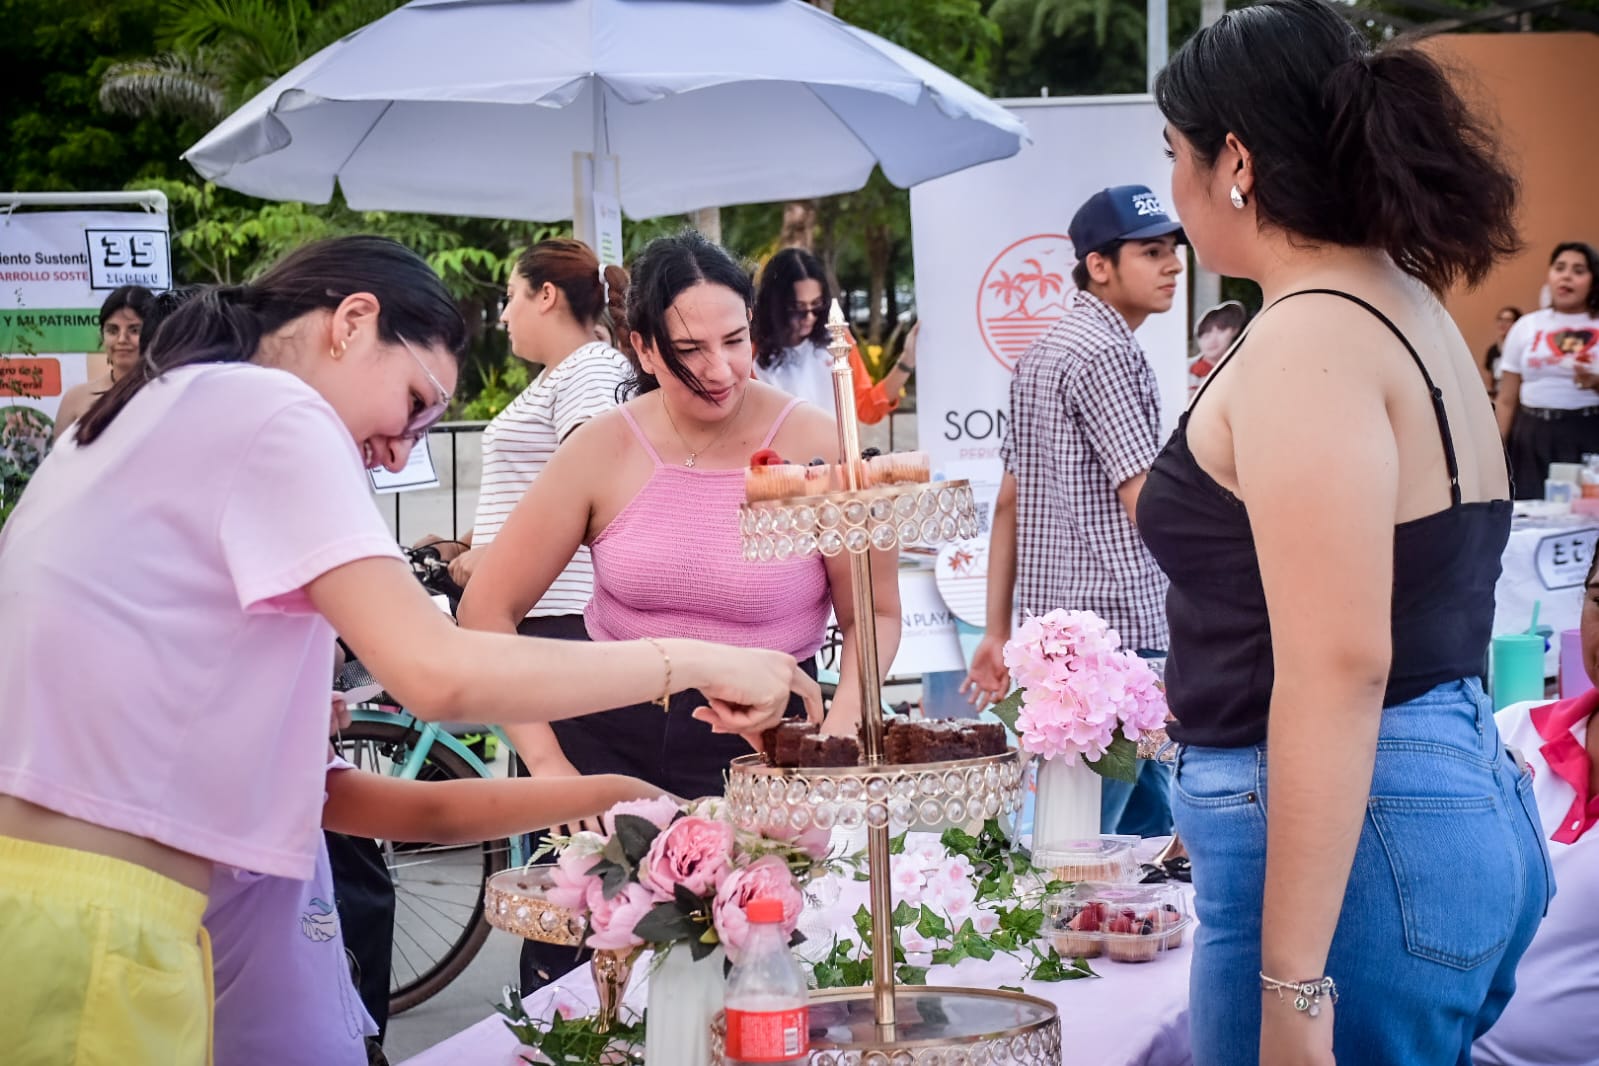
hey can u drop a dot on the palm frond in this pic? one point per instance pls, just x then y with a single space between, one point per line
173 83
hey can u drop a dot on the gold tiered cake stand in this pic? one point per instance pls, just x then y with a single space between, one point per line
885 1025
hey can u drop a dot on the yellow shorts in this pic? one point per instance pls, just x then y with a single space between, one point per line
101 962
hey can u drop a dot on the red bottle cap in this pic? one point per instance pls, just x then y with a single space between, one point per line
764 910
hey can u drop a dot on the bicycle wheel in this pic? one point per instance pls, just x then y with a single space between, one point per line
438 889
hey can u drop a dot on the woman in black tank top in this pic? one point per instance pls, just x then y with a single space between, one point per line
1331 512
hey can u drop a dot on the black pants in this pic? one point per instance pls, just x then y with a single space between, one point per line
1538 438
672 751
364 896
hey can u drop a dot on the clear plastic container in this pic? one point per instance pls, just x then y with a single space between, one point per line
1105 859
768 999
1127 923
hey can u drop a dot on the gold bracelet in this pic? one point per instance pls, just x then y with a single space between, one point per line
666 661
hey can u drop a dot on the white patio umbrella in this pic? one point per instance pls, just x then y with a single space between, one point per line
475 107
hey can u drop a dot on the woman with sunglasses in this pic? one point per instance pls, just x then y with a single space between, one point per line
122 318
167 644
790 335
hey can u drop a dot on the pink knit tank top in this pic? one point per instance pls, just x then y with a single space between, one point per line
671 564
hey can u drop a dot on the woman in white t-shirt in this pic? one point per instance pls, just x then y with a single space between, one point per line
789 332
169 588
556 296
1548 399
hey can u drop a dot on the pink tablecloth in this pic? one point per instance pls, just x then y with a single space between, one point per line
1134 1014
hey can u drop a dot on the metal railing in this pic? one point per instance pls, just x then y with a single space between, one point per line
454 458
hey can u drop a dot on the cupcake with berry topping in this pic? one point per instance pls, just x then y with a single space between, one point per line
770 478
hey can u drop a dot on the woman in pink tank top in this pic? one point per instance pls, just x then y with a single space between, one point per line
653 489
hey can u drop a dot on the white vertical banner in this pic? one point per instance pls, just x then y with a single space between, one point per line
56 269
993 271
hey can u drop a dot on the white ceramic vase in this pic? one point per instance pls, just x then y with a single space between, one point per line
1067 804
684 996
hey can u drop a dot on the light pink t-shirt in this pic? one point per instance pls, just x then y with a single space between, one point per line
165 674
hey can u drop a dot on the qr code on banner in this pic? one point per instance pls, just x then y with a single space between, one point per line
984 517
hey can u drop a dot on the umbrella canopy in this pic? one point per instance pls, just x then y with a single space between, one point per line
475 107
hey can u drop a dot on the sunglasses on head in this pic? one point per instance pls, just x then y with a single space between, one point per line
424 415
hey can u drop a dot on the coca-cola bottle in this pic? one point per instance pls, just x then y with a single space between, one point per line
768 1004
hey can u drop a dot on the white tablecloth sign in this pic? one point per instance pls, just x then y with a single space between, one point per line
1545 564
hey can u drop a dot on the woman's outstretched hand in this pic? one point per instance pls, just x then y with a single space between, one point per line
747 690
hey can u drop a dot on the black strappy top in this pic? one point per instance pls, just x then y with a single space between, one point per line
1219 672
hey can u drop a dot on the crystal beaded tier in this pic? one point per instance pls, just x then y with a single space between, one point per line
513 900
910 795
893 516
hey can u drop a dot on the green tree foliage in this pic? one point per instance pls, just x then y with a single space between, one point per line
1079 47
56 136
219 53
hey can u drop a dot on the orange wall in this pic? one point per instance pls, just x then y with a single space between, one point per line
1540 87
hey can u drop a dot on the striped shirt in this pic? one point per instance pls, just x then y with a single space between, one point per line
1085 417
519 442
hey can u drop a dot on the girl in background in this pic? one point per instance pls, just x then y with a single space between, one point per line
1548 399
790 336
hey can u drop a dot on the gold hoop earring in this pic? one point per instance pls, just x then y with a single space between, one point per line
340 352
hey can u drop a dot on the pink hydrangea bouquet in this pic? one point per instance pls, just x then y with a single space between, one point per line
1080 693
657 874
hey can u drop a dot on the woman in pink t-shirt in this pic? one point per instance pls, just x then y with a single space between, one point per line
169 588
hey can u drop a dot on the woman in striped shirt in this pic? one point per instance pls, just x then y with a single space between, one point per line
555 296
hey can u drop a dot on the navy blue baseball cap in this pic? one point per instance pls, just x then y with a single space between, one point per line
1120 213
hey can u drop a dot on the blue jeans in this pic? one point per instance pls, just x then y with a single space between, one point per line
1141 808
1450 879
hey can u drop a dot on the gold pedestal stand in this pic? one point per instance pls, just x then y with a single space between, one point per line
513 900
885 1026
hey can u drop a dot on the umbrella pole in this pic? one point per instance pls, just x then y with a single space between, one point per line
860 570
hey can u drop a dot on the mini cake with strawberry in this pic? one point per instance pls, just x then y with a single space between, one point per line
770 478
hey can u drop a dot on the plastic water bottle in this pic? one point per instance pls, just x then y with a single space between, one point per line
768 1003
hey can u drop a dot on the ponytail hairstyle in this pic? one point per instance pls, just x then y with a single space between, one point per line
225 323
1353 147
665 268
590 289
615 309
1585 250
774 304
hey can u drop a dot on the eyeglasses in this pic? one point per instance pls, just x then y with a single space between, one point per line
800 312
424 415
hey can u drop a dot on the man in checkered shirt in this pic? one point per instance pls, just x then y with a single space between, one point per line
1084 428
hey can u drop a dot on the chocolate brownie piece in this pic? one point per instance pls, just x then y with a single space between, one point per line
818 750
987 737
934 741
786 736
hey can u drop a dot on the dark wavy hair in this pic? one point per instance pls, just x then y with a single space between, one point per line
135 298
774 303
571 266
666 267
1354 147
1585 250
225 323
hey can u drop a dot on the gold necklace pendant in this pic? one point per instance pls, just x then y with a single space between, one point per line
694 454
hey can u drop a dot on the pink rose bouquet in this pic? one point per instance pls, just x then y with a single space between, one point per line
658 874
1081 693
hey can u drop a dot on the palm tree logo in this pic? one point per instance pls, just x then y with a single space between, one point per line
1025 290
